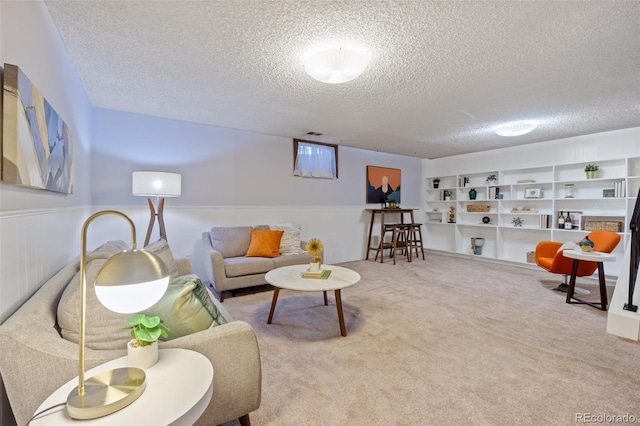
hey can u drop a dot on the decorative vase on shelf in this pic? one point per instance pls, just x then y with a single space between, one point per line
568 190
591 174
586 244
142 356
472 194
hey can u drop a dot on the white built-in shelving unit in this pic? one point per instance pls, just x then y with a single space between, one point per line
527 207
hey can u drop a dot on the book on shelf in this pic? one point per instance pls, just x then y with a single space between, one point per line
620 189
322 274
493 193
545 221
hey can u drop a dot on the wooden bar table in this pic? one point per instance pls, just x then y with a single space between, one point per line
382 212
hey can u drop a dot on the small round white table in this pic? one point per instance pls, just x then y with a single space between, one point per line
179 388
593 256
290 278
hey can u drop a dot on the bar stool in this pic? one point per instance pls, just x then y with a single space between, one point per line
399 239
414 238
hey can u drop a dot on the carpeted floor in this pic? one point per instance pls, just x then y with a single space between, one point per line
438 342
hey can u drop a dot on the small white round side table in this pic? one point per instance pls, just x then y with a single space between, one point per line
593 256
179 388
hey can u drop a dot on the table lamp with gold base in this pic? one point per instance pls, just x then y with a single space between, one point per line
129 282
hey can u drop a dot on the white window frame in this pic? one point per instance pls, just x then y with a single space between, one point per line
315 159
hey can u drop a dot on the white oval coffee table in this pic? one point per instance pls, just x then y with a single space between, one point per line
290 278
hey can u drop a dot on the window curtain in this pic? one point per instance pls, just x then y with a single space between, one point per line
318 161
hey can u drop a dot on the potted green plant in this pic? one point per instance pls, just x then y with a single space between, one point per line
436 183
492 179
591 170
447 195
142 350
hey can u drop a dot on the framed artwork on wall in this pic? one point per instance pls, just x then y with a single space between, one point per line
383 184
37 147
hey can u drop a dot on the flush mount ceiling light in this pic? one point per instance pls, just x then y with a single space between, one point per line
336 65
516 128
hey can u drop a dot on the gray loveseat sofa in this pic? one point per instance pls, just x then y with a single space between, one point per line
219 256
35 358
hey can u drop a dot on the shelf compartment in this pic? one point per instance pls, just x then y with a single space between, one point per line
515 244
475 180
609 169
528 221
439 216
523 192
466 232
586 189
607 223
446 182
440 236
538 174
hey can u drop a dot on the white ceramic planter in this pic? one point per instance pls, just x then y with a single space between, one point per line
142 357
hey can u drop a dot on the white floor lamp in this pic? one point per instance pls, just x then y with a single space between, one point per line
159 185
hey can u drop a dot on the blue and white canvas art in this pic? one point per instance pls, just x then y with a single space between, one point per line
37 149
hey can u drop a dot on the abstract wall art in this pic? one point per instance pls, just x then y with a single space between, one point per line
37 147
383 184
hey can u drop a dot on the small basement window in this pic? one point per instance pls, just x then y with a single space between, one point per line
315 159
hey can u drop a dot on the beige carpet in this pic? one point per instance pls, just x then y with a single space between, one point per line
438 342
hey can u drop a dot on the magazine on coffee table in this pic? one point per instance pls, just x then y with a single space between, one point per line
323 275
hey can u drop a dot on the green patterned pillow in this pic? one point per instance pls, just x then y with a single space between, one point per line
186 307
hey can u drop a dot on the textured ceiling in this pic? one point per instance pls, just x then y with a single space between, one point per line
443 74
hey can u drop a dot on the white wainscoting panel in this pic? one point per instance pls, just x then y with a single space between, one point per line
34 245
342 229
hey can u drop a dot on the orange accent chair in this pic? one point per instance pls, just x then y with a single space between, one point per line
550 258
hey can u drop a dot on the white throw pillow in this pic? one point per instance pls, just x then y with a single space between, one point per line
290 242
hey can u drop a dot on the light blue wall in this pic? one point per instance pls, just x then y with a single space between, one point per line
232 177
29 40
225 167
39 230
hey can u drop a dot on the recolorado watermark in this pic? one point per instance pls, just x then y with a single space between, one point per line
605 418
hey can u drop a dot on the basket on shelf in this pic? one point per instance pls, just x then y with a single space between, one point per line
531 257
594 225
478 208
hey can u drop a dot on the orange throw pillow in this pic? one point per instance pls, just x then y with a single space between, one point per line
265 243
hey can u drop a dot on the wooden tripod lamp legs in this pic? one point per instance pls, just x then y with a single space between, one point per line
163 231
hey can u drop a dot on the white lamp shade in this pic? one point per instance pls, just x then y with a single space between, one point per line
516 128
158 184
336 65
131 281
